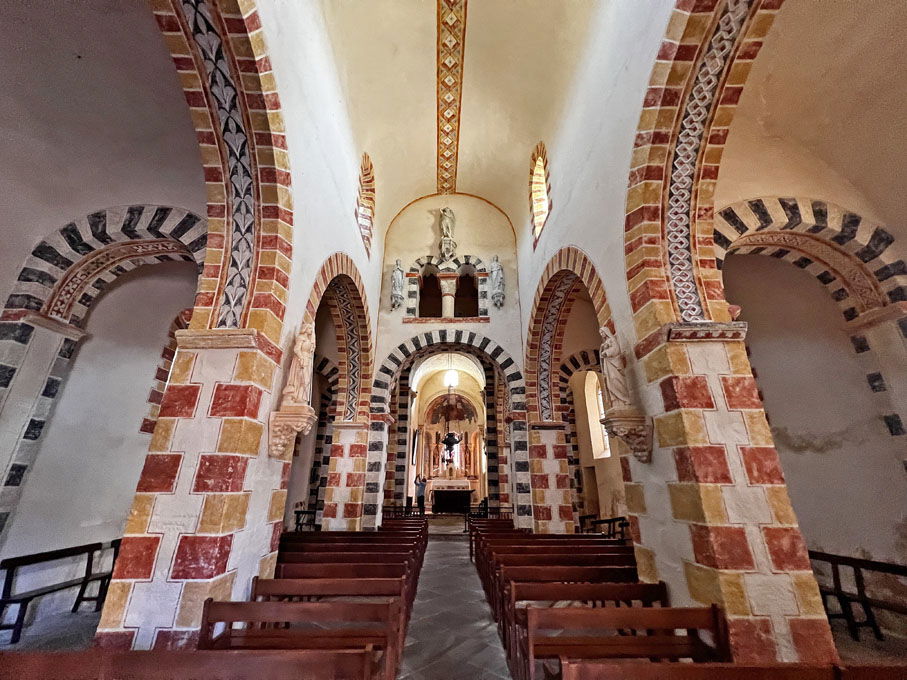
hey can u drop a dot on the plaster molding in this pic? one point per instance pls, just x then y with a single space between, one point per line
218 338
705 331
894 313
54 325
284 425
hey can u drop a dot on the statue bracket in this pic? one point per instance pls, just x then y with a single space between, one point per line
284 425
633 428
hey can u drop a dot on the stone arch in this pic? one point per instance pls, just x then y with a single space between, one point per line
692 96
338 282
163 371
567 270
413 279
219 50
856 260
400 359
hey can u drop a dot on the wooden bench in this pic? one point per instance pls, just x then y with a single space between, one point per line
305 625
95 664
578 633
591 670
23 599
891 672
847 598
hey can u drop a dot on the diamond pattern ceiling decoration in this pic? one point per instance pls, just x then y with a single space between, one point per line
451 41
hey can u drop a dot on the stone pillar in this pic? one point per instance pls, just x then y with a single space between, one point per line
552 503
35 354
710 513
343 497
209 505
448 294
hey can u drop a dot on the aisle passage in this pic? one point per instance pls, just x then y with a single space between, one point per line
451 633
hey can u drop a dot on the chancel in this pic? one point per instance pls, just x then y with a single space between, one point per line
374 340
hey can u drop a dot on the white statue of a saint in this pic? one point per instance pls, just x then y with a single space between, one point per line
299 382
614 369
448 221
397 286
497 282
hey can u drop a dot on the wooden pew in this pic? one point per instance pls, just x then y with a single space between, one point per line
23 599
305 625
95 664
577 633
860 672
592 670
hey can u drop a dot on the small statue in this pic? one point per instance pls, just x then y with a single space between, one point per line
299 382
614 369
397 286
448 221
497 282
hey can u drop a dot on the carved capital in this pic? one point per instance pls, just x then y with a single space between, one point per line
284 425
633 428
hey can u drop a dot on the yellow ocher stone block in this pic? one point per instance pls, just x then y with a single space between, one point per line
238 435
278 503
635 498
683 427
256 368
807 591
189 614
645 565
710 586
139 514
163 434
181 369
115 605
780 504
223 513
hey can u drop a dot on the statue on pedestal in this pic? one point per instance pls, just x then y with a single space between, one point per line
447 247
614 369
497 282
298 390
397 286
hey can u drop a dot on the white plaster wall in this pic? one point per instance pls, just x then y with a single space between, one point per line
92 116
324 160
82 483
844 472
481 230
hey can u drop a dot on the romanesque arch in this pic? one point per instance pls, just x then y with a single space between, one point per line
399 360
558 285
413 279
327 412
219 50
339 283
692 96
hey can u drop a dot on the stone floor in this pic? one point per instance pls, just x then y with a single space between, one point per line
451 634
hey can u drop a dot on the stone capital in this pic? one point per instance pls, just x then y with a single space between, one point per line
284 425
67 330
892 313
633 428
217 338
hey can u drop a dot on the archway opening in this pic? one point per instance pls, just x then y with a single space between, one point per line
466 300
430 294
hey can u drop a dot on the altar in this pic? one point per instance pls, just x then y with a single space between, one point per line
449 495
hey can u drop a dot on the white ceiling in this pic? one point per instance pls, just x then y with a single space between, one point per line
520 58
831 78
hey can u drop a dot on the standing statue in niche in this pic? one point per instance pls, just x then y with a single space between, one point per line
299 382
497 282
614 368
447 247
397 286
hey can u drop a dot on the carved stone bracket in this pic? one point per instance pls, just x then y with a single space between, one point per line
284 425
633 428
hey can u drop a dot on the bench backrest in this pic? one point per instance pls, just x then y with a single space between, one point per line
288 588
346 558
335 570
570 574
648 594
595 670
575 559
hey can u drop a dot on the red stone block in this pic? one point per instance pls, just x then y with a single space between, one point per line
235 401
201 557
565 512
539 481
159 473
220 474
541 512
180 401
625 471
285 476
752 641
118 641
355 479
686 392
786 548
176 640
741 392
563 481
358 450
337 451
136 558
721 547
330 510
538 451
147 425
635 533
352 510
335 478
560 451
813 640
704 464
276 530
762 464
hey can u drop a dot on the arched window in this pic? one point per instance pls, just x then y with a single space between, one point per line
595 411
539 190
466 300
365 202
430 294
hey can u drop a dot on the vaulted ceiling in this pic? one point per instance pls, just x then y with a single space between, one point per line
447 97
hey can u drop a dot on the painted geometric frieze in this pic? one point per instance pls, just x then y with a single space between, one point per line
365 201
697 110
241 184
546 342
451 43
350 322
